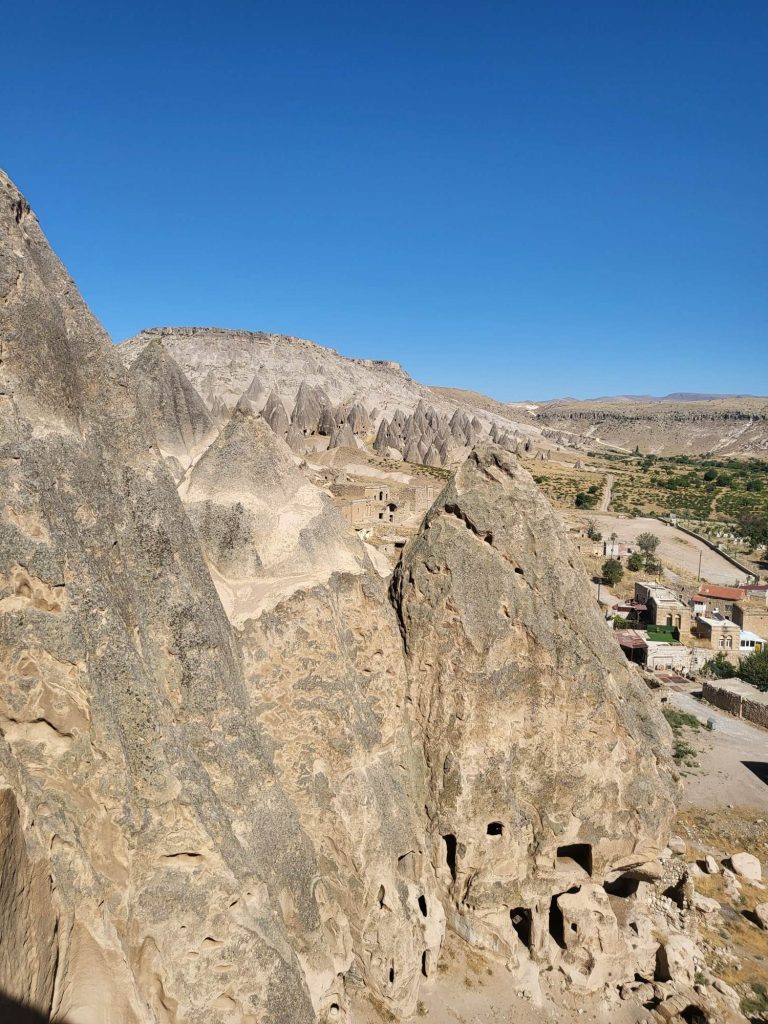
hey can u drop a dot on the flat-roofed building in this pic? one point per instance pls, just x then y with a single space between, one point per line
718 633
663 607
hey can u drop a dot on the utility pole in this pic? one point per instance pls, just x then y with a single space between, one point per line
700 554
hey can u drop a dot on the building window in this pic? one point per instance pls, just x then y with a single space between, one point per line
722 642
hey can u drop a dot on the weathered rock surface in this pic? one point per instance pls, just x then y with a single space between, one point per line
150 843
178 416
545 757
264 528
746 865
208 825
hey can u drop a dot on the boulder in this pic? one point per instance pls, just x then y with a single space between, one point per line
761 913
747 866
677 959
711 866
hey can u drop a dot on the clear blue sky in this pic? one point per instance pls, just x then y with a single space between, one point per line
528 199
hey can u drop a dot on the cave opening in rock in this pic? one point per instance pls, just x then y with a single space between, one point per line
425 963
495 828
556 922
450 853
392 973
676 893
694 1015
380 897
423 905
522 922
579 853
623 886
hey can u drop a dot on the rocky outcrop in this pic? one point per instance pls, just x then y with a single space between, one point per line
180 421
544 754
150 842
264 528
328 688
215 821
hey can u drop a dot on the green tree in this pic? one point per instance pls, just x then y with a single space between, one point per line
584 500
710 474
648 542
654 567
718 667
635 562
754 669
612 571
592 531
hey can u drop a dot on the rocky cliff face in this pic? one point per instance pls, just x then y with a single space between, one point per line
149 839
265 529
208 819
545 770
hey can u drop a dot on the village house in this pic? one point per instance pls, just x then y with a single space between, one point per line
718 633
718 599
752 614
663 608
362 504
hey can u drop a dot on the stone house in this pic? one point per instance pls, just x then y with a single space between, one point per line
752 614
362 504
720 634
663 608
719 599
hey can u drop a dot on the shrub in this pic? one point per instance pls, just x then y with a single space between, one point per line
612 571
635 562
754 669
648 542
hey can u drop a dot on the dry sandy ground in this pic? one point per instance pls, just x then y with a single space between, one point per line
675 547
723 777
472 989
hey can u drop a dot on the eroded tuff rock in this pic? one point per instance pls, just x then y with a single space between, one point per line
328 686
178 416
264 528
208 826
544 754
131 775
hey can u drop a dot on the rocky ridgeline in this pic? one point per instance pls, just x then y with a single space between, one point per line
212 812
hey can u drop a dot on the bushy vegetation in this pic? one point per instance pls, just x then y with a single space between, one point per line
612 571
678 722
754 669
719 667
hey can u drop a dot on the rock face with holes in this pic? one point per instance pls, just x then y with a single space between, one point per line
545 758
328 687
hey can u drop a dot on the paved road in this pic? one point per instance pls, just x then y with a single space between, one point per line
676 547
723 776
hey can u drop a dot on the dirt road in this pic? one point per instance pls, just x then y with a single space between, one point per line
605 502
676 547
733 759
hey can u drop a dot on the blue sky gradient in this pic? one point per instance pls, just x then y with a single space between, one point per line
529 200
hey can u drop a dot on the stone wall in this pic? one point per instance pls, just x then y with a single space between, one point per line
729 698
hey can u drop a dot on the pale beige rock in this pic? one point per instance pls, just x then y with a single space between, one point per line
505 646
678 958
705 904
761 913
747 866
711 866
